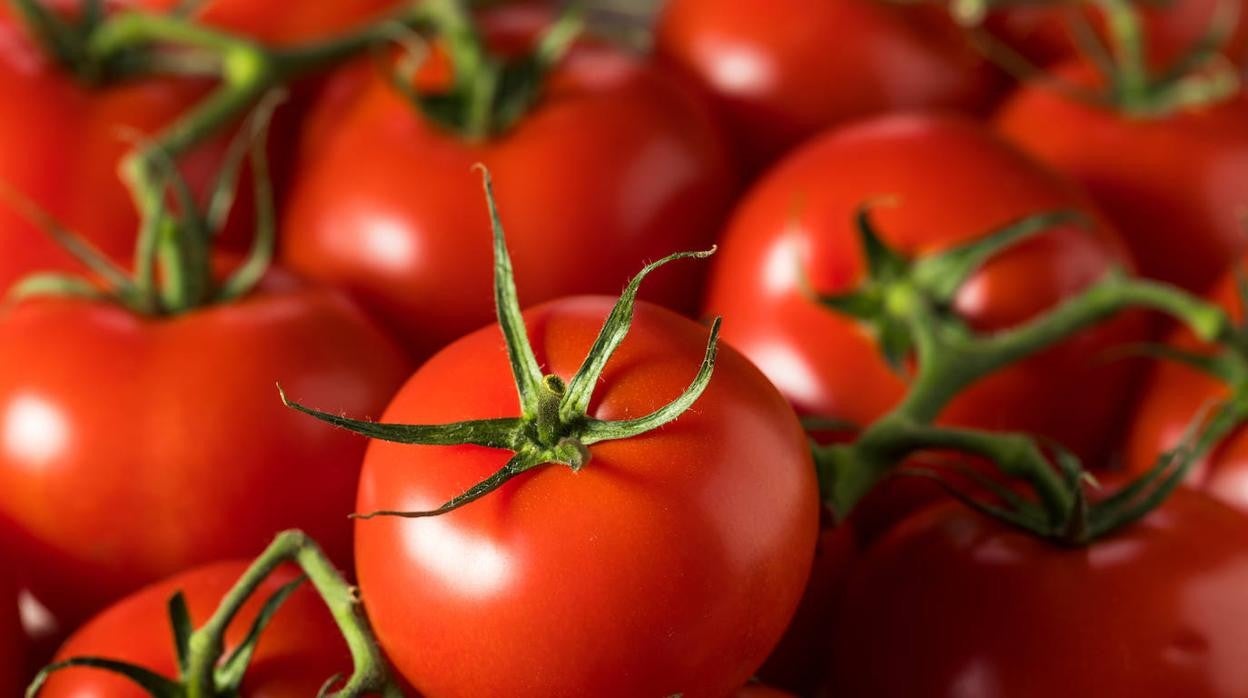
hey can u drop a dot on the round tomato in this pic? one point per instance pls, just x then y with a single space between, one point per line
1172 399
61 143
618 162
1173 185
952 181
1171 30
954 603
670 563
300 649
133 447
276 23
777 79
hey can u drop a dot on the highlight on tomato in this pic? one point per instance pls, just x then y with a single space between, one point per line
1157 148
781 71
614 531
602 158
932 182
140 432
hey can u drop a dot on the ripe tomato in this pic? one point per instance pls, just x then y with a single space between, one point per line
778 81
275 23
68 164
760 691
300 649
1173 185
669 564
1173 397
953 181
1171 29
953 603
619 162
132 448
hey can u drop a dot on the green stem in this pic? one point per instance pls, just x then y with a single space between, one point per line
1130 80
206 645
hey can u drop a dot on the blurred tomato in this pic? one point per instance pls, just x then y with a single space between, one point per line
1174 185
619 162
953 181
134 447
783 70
299 651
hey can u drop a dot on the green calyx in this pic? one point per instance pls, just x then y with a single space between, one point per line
554 425
901 299
173 266
65 38
488 94
206 670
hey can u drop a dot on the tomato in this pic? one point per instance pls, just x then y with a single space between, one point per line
275 23
777 79
952 603
953 181
1174 395
1171 29
1173 186
68 164
760 691
619 162
669 564
300 649
132 448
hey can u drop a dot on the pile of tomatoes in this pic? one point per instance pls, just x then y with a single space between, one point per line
255 286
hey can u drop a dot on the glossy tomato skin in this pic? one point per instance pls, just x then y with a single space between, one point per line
67 165
781 71
1173 186
669 564
132 448
970 607
620 162
300 649
1174 396
952 181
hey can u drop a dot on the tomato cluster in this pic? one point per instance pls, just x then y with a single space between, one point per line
923 379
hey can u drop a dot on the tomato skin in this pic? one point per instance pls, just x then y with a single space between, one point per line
970 607
760 691
12 641
631 164
275 23
299 650
1152 177
1176 394
768 65
800 217
133 448
669 564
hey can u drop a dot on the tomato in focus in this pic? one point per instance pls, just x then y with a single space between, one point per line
781 71
1174 186
951 181
132 448
299 651
618 162
670 563
952 603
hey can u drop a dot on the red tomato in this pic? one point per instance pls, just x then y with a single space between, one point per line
669 564
1173 186
954 181
277 23
618 163
132 448
784 70
953 603
1173 397
300 649
1171 30
760 691
61 143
